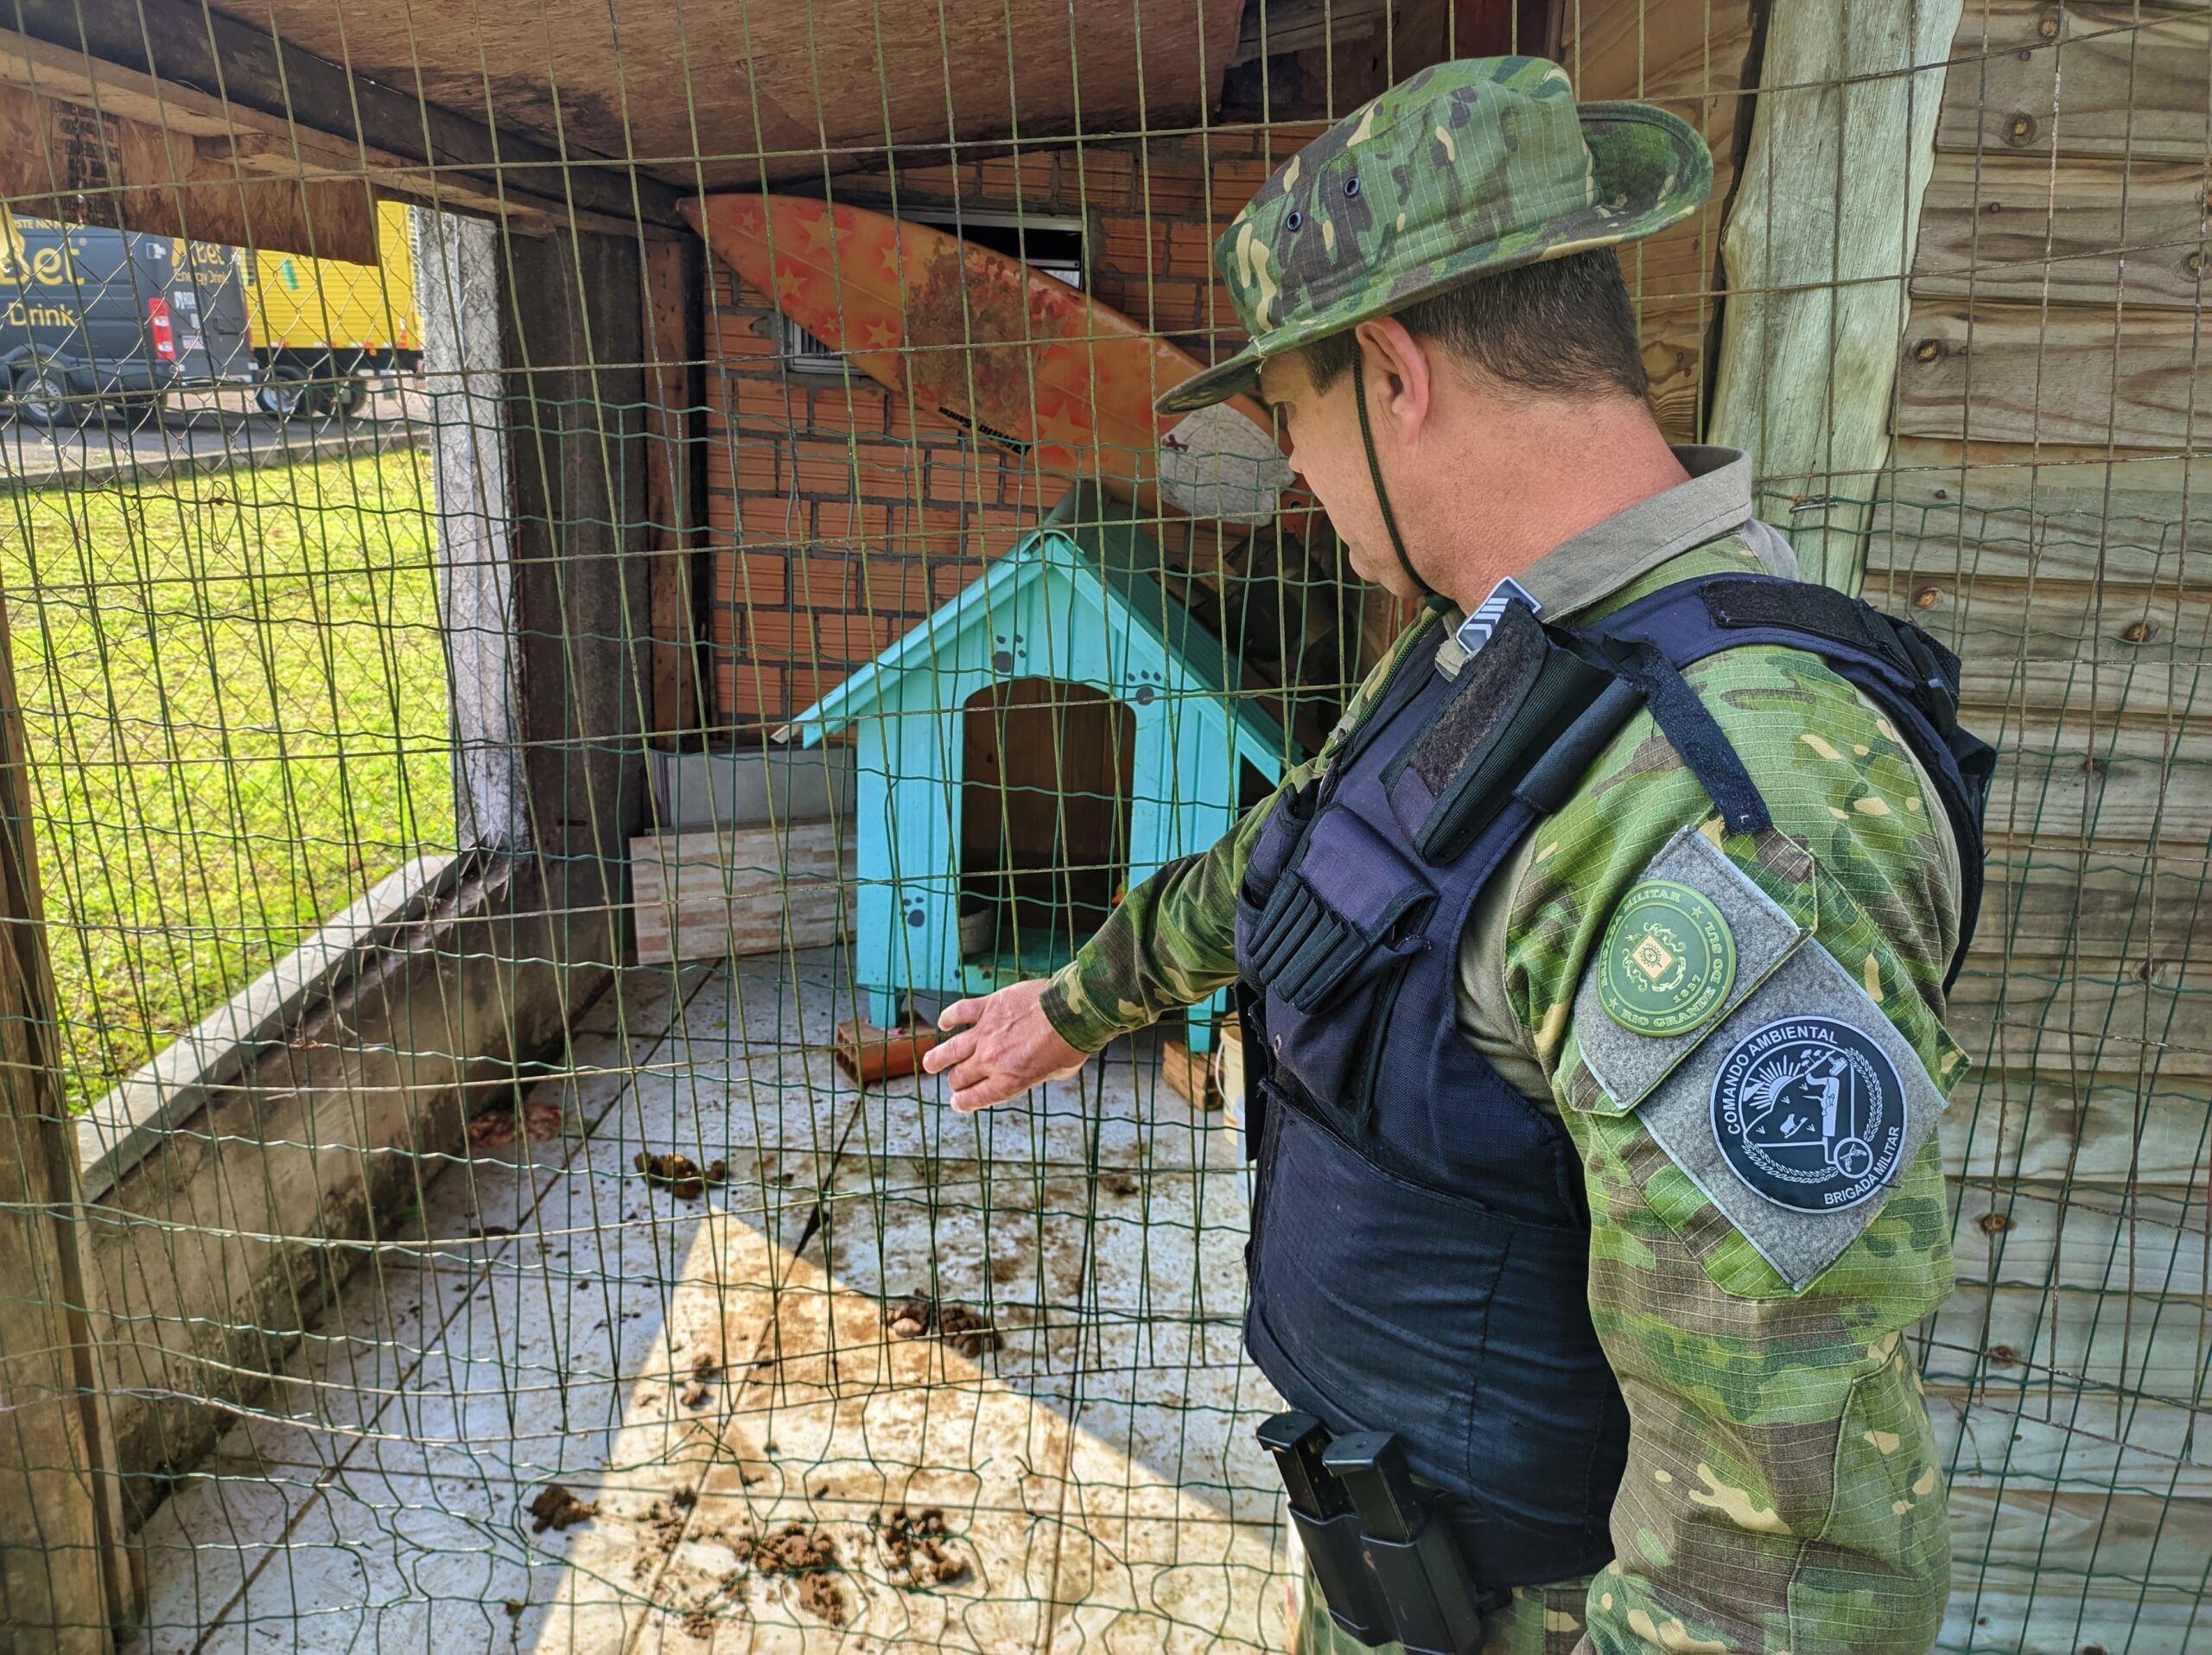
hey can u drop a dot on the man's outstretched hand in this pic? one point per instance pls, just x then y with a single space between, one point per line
1005 1045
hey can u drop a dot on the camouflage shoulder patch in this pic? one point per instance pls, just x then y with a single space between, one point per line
1794 1112
1667 961
1691 939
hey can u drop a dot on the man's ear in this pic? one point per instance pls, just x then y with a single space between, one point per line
1400 382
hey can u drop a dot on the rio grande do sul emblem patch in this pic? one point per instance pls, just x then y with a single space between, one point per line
1810 1113
1668 962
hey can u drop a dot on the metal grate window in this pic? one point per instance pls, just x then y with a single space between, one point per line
1052 245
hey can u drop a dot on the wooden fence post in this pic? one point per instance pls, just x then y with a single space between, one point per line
573 343
65 1575
1818 250
675 482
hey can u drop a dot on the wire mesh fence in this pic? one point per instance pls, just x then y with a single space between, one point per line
607 561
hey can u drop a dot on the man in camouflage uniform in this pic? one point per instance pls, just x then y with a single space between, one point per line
1780 1490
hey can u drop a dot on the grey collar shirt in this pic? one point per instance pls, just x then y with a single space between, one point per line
1594 565
1715 499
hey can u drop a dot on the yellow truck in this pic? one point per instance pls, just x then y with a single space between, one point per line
320 327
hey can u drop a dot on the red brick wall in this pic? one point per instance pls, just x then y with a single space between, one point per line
838 519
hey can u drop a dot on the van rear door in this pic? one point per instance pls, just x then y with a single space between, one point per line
207 312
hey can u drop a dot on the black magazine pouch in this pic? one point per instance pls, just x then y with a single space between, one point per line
1328 950
1513 700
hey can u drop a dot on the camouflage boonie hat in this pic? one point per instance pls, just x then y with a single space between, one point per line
1467 168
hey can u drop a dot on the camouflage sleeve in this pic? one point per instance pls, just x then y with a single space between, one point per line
1783 1489
1172 940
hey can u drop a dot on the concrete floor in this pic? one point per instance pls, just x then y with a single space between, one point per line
708 1371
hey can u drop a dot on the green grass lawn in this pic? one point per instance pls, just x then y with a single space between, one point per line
234 701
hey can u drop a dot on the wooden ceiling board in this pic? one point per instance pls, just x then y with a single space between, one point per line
116 150
726 94
173 62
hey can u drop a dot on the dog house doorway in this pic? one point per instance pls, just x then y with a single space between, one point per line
1044 822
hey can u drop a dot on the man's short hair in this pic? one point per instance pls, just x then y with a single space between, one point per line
1561 327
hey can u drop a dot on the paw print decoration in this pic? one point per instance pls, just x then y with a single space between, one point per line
1008 650
1145 687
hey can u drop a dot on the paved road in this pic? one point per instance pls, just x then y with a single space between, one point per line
197 439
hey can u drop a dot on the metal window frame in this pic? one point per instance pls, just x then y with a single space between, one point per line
804 354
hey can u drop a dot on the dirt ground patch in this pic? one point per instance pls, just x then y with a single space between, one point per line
810 1558
556 1508
914 1546
680 1175
967 1330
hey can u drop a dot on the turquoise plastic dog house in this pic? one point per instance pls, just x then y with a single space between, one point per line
1079 602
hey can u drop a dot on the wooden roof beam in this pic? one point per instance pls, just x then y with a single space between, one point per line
98 144
424 150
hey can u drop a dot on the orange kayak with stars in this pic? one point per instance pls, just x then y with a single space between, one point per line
1017 357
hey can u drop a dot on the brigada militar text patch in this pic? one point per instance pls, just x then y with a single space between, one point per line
1793 1103
1810 1112
1667 961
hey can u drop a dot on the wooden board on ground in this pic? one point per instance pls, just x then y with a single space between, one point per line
1188 1075
709 895
2086 233
1977 371
1228 1069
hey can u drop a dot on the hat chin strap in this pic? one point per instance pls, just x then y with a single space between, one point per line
1375 472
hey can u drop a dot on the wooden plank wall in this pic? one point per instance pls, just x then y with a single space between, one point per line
1691 59
2048 515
